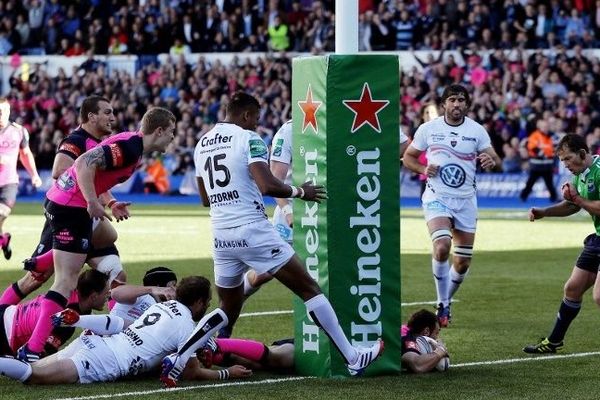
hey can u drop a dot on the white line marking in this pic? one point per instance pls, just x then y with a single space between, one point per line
541 357
262 313
186 388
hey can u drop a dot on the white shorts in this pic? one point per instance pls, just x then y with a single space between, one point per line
462 211
94 360
281 225
256 245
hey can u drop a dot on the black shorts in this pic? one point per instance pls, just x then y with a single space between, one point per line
71 227
589 259
4 345
8 194
45 243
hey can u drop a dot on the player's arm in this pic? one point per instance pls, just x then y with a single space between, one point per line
271 186
194 371
128 294
86 167
69 149
62 162
420 363
591 206
403 147
562 209
28 161
411 160
490 161
279 170
202 191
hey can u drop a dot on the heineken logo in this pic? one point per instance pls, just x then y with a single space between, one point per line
309 108
366 110
366 327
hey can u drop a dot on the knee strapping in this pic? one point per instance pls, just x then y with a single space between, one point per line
463 251
441 234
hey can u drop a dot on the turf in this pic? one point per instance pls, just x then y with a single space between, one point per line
509 299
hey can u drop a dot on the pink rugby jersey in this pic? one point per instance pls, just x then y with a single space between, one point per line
122 153
13 138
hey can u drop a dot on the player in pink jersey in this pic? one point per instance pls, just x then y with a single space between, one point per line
14 144
18 321
97 121
72 203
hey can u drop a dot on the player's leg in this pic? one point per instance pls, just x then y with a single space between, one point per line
440 232
253 281
577 284
42 372
104 235
461 261
17 291
8 197
294 276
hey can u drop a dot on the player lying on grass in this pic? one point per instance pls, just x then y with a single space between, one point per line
17 321
422 351
160 330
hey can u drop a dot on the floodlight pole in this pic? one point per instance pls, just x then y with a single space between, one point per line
346 26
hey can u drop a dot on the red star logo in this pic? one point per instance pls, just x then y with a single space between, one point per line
366 109
309 108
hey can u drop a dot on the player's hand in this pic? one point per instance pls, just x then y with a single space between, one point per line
36 181
535 213
96 210
237 371
163 293
313 192
569 192
431 170
486 161
120 211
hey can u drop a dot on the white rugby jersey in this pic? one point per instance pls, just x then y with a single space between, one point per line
160 331
282 148
455 150
222 158
403 137
131 312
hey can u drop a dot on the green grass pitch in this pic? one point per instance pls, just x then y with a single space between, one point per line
509 299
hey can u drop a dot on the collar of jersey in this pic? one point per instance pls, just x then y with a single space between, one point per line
587 170
463 121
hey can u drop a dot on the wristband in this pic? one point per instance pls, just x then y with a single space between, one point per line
294 191
287 209
111 203
223 374
301 193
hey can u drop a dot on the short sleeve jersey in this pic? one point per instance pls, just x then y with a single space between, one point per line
282 148
403 137
13 138
131 312
160 331
454 149
76 143
588 186
122 153
222 158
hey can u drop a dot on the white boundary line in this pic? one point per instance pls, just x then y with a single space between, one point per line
541 357
186 388
299 378
279 312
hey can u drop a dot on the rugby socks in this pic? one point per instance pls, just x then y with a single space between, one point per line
4 239
249 349
566 314
456 279
15 369
442 280
323 315
101 324
206 328
111 304
44 261
52 303
12 295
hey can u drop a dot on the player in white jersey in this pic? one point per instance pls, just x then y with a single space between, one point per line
283 219
131 302
403 142
454 143
232 174
159 331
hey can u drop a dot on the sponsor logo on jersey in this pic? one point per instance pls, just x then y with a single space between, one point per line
117 154
258 148
468 139
278 148
453 143
65 182
453 175
229 196
591 187
71 148
217 139
230 244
